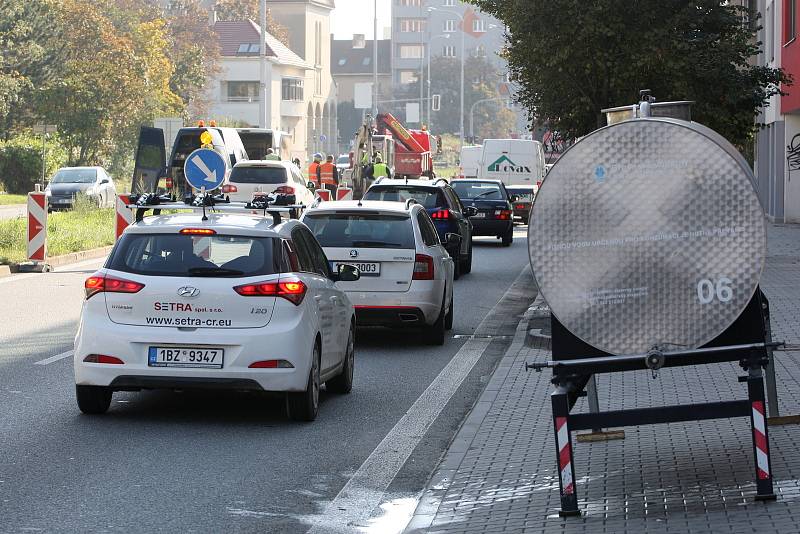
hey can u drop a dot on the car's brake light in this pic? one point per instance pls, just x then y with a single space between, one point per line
441 215
292 289
100 283
503 215
423 267
103 358
520 206
285 190
197 231
230 188
271 364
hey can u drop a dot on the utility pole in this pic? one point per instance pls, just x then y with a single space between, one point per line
263 95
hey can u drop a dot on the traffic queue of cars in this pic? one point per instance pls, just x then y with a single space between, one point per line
246 301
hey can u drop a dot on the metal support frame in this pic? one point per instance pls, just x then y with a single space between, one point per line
568 386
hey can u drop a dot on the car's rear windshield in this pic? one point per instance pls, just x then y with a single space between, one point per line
258 175
523 193
363 230
477 190
187 255
429 197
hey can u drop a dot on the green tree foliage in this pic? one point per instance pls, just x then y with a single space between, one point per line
248 9
572 58
21 162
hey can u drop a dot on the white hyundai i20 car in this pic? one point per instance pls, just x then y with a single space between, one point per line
406 274
230 302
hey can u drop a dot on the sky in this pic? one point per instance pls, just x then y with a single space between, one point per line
356 16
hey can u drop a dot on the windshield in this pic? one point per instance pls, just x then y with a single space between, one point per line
368 230
343 160
429 197
186 255
75 176
258 175
477 190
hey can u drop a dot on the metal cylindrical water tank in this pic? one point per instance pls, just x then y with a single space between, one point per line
648 233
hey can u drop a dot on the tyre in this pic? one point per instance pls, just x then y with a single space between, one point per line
304 405
466 266
343 383
448 319
436 331
93 400
456 268
508 238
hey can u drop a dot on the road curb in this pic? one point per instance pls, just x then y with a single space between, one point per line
60 261
442 477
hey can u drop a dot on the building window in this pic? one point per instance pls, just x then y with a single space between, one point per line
412 25
409 3
478 26
292 89
243 91
769 31
449 26
790 19
411 51
480 51
408 76
449 3
449 51
248 49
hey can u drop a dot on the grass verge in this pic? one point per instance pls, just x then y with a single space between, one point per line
83 228
13 199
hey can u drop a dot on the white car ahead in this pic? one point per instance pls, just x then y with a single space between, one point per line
406 273
231 302
267 176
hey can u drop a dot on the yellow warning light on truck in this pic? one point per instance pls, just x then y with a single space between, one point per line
205 138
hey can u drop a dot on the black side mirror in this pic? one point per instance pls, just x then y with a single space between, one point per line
346 273
311 185
452 239
104 181
470 211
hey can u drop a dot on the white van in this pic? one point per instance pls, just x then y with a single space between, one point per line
469 160
512 161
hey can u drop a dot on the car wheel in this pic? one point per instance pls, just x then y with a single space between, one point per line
436 331
343 382
448 319
304 406
466 267
508 238
93 400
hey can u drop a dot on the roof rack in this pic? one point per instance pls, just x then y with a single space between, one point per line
271 204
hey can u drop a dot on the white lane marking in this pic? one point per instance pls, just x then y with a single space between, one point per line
55 358
365 490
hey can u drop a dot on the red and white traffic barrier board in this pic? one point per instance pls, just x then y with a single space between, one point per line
344 193
564 457
37 226
124 215
760 439
323 194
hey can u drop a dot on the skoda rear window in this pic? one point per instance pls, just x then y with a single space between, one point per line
195 256
258 175
363 230
429 197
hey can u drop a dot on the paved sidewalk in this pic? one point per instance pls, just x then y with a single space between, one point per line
499 474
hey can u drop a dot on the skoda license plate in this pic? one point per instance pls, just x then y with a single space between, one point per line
200 357
366 268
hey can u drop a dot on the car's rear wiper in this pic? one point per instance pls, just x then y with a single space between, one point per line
373 243
214 271
486 193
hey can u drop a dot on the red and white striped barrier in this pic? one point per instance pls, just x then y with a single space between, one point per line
124 215
37 226
564 457
344 193
760 440
323 194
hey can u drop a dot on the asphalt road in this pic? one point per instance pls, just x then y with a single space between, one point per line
12 211
220 462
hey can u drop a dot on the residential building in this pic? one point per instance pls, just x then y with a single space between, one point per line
309 27
777 156
234 92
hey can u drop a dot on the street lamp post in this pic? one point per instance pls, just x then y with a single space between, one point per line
472 116
461 107
375 61
441 36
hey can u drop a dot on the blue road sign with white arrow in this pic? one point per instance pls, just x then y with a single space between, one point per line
205 168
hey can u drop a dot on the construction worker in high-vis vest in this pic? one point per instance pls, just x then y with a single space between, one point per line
380 169
328 175
313 169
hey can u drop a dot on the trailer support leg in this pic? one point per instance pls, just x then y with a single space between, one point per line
758 420
564 457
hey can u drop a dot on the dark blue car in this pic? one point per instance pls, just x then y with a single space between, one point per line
442 204
495 215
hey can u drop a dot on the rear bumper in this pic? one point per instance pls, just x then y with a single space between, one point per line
418 306
491 227
389 316
135 383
